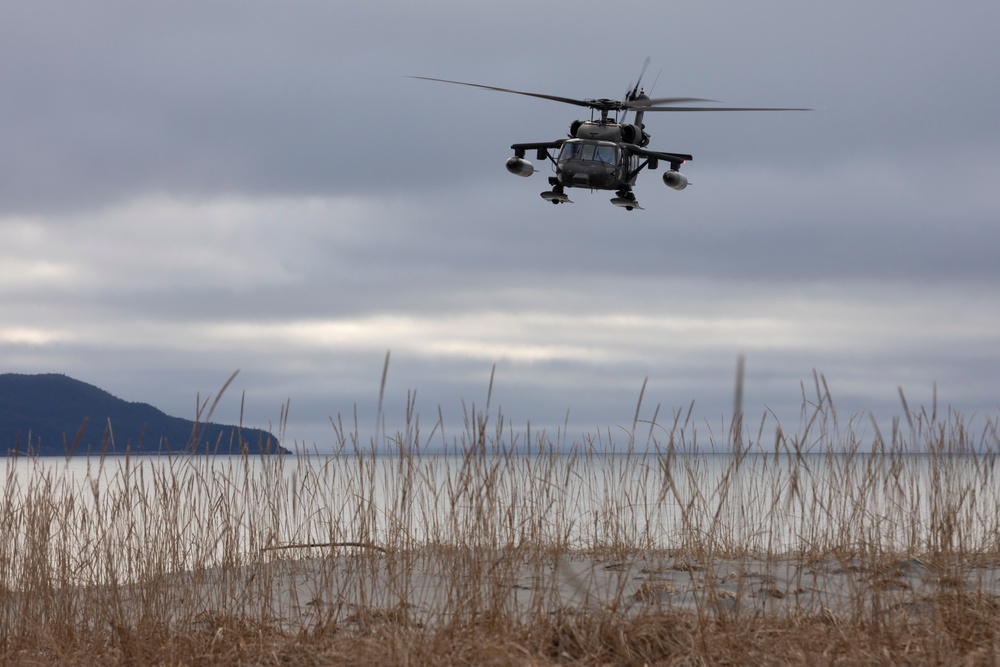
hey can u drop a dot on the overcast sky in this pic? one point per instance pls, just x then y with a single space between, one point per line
188 188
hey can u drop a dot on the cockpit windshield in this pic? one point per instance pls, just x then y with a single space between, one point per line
591 152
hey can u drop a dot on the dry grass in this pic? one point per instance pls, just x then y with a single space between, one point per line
828 546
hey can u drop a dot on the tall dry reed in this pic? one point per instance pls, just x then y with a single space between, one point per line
410 549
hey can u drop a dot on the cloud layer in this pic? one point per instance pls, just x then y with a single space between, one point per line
188 189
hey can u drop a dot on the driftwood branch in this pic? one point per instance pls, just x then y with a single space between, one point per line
314 545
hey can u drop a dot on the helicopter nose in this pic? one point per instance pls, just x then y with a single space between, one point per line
581 179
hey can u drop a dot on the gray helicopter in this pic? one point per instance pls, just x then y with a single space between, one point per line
605 152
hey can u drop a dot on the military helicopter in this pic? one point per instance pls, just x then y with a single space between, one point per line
605 152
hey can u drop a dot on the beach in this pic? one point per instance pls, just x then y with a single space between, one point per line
437 587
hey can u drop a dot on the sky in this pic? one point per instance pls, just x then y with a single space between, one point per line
189 189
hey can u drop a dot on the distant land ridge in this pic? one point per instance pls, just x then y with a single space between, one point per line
51 408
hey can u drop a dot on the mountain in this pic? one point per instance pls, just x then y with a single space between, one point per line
55 411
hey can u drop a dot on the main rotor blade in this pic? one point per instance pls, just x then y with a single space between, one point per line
719 109
613 105
646 103
555 98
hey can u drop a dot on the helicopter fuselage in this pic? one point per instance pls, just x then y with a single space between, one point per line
594 164
599 155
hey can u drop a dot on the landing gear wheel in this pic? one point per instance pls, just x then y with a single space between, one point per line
626 200
556 195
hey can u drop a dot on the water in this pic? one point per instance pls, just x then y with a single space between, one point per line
133 516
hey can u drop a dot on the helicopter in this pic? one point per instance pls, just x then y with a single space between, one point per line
605 152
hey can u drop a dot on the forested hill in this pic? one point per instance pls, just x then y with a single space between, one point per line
51 409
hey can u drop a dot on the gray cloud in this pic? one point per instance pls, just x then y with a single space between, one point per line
188 189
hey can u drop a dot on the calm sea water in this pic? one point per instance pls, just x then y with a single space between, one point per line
758 502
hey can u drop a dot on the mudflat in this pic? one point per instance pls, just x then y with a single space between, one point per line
435 587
